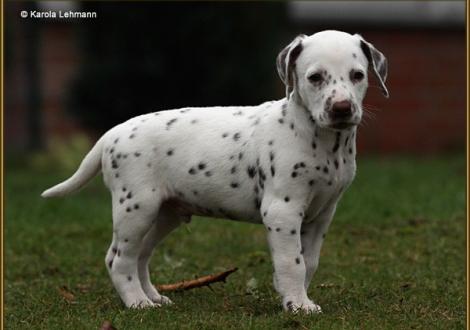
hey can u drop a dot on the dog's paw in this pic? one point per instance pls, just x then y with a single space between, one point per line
142 303
162 300
156 297
307 307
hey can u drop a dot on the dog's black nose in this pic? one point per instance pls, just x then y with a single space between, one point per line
341 110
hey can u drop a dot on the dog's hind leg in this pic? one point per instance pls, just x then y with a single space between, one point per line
166 222
133 216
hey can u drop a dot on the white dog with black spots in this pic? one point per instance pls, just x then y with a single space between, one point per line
283 164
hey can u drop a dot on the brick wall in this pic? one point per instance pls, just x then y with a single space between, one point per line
426 111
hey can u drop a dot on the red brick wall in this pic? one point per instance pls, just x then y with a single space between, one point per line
426 111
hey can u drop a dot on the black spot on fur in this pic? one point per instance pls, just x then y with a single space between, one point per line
293 231
192 170
273 170
201 166
265 213
338 137
289 305
314 145
137 154
116 140
325 169
121 200
294 174
271 142
124 189
128 209
324 235
240 156
233 170
278 229
330 183
234 185
136 206
281 121
114 164
354 55
251 170
286 199
170 122
208 173
194 121
131 136
236 136
336 164
311 183
111 263
116 175
297 261
129 195
129 278
271 156
350 150
269 228
169 152
224 135
317 168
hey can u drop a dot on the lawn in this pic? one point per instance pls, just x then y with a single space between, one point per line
394 258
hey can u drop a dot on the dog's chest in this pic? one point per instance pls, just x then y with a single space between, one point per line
335 170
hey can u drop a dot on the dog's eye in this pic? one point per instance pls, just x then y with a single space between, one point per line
357 76
315 78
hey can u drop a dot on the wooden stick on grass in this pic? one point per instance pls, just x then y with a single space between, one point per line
198 282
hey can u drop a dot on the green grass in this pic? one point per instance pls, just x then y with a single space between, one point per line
394 258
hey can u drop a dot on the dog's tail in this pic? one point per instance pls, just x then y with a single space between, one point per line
89 167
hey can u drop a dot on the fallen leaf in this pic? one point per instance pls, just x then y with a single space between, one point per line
66 294
107 326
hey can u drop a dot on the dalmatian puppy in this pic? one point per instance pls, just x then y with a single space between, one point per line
283 164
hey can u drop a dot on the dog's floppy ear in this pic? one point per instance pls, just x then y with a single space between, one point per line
286 63
377 63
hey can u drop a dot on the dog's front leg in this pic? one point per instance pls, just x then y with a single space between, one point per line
283 221
312 236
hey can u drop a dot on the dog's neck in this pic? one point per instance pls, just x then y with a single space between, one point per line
333 141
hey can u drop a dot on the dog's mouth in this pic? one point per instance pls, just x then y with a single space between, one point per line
342 124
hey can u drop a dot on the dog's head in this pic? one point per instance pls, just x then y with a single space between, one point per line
327 74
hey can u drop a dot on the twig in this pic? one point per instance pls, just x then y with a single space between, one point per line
198 282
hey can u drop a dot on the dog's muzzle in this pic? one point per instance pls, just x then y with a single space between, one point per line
340 114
